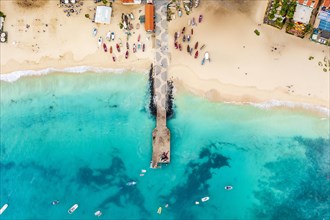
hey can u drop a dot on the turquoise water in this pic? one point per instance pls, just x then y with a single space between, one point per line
81 138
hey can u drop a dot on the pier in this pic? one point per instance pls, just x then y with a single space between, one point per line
161 134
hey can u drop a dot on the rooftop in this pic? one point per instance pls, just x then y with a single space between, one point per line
309 3
131 2
302 14
103 14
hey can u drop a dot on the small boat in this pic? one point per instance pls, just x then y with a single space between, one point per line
205 199
196 45
180 48
139 46
176 45
134 48
188 49
207 56
127 45
108 37
203 61
193 22
114 58
139 37
126 54
118 48
188 38
183 30
175 36
143 47
100 41
94 32
73 208
132 183
184 38
178 34
191 50
192 31
196 54
197 203
98 213
159 211
196 3
3 208
228 187
105 47
202 47
110 49
55 202
180 13
200 19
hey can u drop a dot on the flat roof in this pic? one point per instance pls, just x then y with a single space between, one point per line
302 14
103 14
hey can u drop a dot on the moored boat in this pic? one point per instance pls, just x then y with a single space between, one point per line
132 183
196 54
98 213
110 49
73 208
159 211
196 45
3 208
205 199
134 48
118 48
228 187
126 54
143 47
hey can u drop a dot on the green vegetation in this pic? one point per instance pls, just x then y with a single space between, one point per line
271 16
2 14
257 32
86 15
121 26
325 70
104 2
310 57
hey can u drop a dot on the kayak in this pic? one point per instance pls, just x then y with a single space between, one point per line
98 213
228 187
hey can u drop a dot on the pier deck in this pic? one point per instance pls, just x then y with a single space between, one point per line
161 134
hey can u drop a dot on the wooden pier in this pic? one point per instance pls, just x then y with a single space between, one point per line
161 134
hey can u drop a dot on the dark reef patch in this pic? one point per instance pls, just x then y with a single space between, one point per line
195 186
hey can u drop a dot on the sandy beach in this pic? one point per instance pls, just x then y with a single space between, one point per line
244 67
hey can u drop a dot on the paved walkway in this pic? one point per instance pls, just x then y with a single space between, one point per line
161 134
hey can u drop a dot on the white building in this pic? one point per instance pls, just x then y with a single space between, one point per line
103 14
302 14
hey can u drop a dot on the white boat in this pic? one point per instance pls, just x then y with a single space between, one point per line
100 41
3 208
205 199
143 171
228 187
73 208
98 213
159 211
207 56
108 37
132 183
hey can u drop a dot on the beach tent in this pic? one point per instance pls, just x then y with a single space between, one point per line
103 14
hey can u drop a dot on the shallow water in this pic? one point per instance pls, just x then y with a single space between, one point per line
81 138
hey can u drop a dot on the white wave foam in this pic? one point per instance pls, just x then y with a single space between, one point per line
11 77
276 103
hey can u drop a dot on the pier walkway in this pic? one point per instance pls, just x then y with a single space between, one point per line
161 134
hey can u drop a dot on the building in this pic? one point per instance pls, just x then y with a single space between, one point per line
309 3
103 14
321 33
302 14
131 2
149 23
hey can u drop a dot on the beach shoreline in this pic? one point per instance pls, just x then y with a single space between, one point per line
243 70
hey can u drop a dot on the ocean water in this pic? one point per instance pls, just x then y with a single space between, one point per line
79 138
